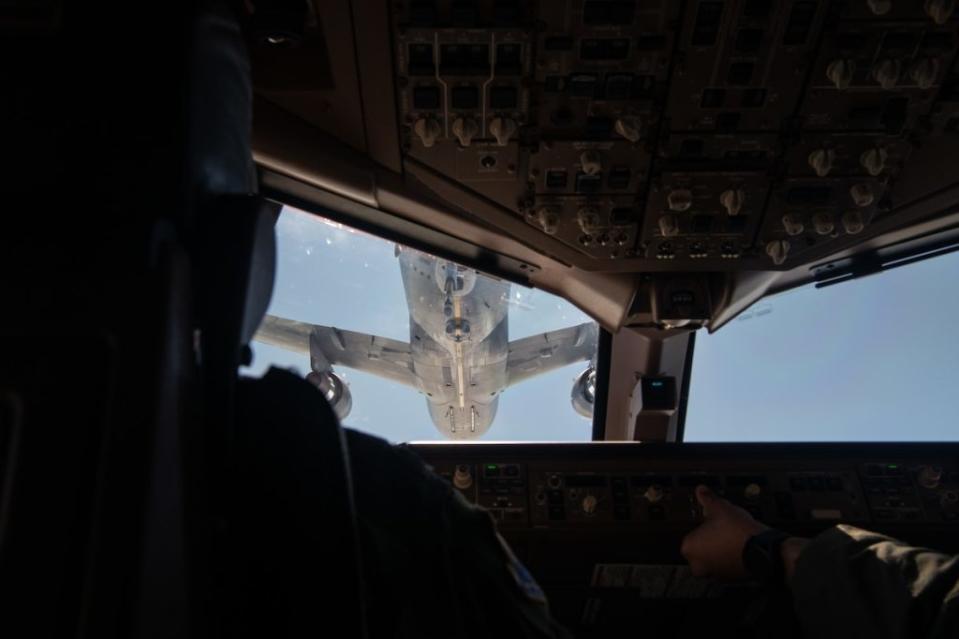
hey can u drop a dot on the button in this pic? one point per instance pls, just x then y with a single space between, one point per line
621 512
514 515
657 512
511 471
816 483
886 514
911 515
834 483
555 497
875 470
797 483
557 512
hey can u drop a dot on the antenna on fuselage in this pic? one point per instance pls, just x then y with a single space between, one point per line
452 418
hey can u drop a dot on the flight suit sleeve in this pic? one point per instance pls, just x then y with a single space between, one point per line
851 582
434 563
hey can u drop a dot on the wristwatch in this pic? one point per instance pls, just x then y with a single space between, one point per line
763 557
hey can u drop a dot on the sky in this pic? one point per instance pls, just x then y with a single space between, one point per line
871 359
332 275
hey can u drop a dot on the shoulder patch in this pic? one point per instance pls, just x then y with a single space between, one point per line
524 580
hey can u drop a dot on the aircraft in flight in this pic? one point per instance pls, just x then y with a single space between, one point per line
459 355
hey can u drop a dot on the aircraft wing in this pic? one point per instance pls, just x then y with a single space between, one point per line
538 354
328 346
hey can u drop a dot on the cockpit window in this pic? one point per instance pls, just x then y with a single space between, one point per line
873 359
409 346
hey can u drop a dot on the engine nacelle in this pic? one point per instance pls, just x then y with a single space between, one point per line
335 391
583 395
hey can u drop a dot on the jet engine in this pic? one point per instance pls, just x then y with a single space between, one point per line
335 390
583 395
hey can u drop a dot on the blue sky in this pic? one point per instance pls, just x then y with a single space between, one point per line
332 275
871 359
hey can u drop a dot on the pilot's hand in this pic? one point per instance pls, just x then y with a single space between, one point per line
715 549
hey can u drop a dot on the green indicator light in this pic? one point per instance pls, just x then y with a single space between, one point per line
893 466
491 466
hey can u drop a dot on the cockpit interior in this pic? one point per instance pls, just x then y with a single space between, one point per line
577 257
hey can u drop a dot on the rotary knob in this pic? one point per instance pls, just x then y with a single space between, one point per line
879 7
874 161
886 72
792 224
940 10
929 477
588 219
732 200
822 223
654 494
502 129
465 129
861 194
840 73
752 491
428 130
629 127
462 478
589 504
548 219
925 72
679 200
821 161
669 225
852 222
778 251
591 162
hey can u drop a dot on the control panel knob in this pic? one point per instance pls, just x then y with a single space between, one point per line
554 481
821 161
462 477
502 129
629 127
588 219
879 7
591 162
427 129
822 223
778 250
752 491
792 224
669 225
589 504
861 194
874 161
465 129
840 72
925 72
654 494
929 477
852 222
732 200
548 219
679 200
940 10
886 73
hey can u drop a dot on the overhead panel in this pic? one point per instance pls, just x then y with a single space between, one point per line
700 136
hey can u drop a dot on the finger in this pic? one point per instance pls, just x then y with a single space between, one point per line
706 498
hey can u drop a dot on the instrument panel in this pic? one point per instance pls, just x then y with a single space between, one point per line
600 525
745 134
